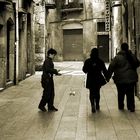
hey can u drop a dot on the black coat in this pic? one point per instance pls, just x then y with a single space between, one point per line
48 71
123 71
96 73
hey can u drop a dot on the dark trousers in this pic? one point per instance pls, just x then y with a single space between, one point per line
94 97
48 94
128 90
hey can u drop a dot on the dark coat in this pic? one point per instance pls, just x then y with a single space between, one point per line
96 71
48 71
124 73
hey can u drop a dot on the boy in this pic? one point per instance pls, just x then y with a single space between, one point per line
48 83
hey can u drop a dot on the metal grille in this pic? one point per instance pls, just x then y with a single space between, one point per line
107 15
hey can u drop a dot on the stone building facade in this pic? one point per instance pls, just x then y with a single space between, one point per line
137 26
76 26
39 11
16 41
72 28
7 41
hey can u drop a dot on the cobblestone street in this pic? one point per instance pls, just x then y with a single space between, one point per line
20 118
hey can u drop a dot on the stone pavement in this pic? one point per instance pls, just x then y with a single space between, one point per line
20 118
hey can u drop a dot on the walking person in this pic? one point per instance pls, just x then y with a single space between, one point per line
96 72
124 66
48 83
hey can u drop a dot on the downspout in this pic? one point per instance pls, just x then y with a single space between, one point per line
137 26
17 44
116 26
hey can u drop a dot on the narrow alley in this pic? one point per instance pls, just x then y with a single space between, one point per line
20 118
28 29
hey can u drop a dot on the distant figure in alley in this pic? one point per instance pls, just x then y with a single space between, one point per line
48 83
96 72
124 66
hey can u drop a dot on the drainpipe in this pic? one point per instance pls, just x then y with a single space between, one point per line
16 43
116 26
137 26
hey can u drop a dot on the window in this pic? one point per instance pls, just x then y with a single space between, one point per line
100 26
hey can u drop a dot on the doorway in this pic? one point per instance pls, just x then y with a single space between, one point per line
103 46
73 44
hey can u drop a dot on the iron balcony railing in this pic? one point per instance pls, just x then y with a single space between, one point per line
50 4
72 5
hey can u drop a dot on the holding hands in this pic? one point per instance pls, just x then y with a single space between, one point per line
59 74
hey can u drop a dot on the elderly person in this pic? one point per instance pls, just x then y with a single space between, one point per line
124 66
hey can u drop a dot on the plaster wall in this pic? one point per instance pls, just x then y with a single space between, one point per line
39 30
22 51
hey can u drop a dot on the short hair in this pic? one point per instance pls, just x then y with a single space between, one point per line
124 47
52 51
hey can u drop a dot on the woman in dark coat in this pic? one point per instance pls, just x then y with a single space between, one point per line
96 72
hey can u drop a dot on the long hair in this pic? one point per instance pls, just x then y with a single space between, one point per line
94 53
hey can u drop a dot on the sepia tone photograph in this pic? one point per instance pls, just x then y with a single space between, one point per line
69 70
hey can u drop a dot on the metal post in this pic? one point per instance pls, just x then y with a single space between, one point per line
116 26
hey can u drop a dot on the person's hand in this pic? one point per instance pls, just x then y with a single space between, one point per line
107 80
59 74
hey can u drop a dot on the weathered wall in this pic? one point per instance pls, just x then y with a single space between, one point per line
12 71
7 16
26 44
88 18
39 35
22 50
137 26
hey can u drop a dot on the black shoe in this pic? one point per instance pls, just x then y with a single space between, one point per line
97 107
132 110
121 108
42 108
93 109
52 109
